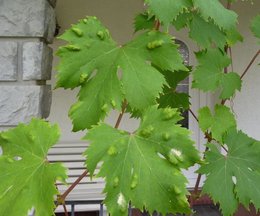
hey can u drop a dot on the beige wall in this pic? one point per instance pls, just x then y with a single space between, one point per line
118 17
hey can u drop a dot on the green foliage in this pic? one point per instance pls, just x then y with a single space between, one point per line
233 178
103 90
144 167
143 22
169 10
255 26
209 76
214 10
170 97
217 124
27 179
211 33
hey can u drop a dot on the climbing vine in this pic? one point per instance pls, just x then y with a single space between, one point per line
139 77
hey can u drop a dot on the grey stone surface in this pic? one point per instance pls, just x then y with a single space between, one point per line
46 99
50 23
21 103
8 61
26 18
37 61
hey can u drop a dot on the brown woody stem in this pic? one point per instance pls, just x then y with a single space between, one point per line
250 64
157 25
194 116
208 136
66 193
61 199
119 119
65 209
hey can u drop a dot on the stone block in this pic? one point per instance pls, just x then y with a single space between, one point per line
46 99
26 18
8 61
21 103
37 61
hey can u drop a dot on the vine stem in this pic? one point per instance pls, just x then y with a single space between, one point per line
209 138
66 193
245 71
194 116
157 25
65 210
61 199
250 64
119 119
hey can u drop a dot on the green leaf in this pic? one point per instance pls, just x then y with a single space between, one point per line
255 26
167 11
209 76
208 73
236 175
174 78
182 20
206 33
173 99
143 22
171 96
214 10
146 165
27 179
230 83
233 36
92 61
217 124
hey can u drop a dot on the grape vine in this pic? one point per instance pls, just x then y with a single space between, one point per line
139 77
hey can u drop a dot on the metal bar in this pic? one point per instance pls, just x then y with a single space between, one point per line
129 210
72 210
101 210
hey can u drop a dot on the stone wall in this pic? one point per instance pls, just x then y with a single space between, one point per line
26 29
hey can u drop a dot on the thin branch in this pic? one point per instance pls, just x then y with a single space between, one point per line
226 51
225 149
193 114
157 25
196 188
62 198
121 114
231 56
65 209
229 5
250 64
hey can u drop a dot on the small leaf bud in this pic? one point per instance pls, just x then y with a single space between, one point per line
104 108
176 189
113 103
146 132
77 31
168 113
115 182
72 48
112 151
166 136
83 78
101 35
134 181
